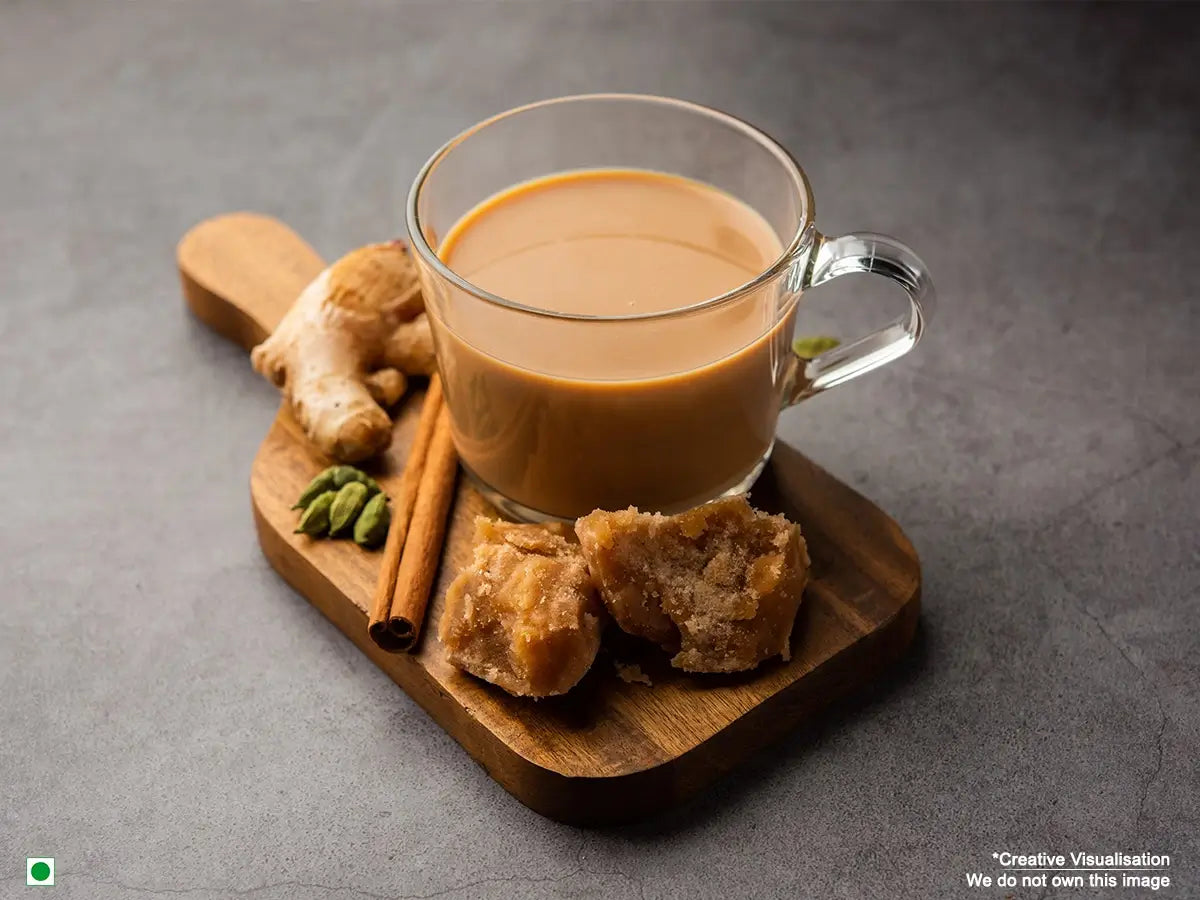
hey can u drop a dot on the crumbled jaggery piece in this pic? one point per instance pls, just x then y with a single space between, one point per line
718 585
524 615
631 673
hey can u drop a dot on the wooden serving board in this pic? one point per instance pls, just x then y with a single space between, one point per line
609 750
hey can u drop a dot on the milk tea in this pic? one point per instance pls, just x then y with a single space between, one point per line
567 415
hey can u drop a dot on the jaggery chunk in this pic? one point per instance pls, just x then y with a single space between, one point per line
524 615
718 585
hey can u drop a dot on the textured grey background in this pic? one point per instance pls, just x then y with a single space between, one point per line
174 720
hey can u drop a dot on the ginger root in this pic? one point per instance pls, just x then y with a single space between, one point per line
410 347
342 351
386 386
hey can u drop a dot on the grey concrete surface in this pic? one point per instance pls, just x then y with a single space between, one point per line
175 721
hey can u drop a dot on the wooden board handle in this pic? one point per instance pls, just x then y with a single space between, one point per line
242 271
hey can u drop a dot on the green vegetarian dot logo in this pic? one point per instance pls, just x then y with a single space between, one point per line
39 870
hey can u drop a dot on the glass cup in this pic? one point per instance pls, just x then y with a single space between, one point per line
556 414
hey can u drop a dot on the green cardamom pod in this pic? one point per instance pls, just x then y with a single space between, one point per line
315 519
346 506
813 346
343 475
316 487
372 525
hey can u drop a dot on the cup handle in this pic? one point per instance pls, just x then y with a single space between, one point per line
878 255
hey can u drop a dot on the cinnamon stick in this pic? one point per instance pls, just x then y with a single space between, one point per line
426 534
402 515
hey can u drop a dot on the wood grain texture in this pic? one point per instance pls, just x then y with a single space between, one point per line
609 750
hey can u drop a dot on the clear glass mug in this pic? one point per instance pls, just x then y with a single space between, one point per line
557 414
